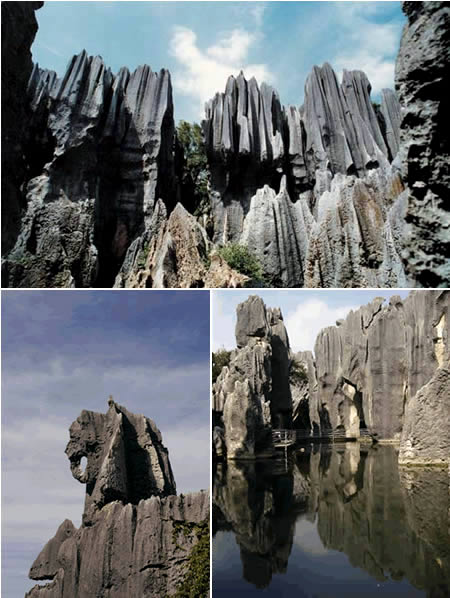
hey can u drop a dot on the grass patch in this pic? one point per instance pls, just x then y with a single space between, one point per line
242 260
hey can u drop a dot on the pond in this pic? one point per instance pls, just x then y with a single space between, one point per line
334 520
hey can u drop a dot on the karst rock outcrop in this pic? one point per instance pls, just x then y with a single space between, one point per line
136 535
252 394
341 492
337 192
382 372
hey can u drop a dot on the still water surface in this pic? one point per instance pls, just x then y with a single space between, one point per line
332 522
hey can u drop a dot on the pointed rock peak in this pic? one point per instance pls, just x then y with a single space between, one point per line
252 321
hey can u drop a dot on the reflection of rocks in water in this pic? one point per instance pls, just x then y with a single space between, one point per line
258 501
393 524
380 531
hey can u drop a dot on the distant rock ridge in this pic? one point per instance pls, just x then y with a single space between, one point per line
384 369
137 535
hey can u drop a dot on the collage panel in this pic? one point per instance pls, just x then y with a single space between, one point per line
331 443
205 144
105 444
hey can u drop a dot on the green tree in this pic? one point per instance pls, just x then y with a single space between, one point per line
219 360
240 258
195 171
297 374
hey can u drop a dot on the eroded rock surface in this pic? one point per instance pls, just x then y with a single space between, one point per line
252 394
422 78
137 535
371 366
19 26
102 155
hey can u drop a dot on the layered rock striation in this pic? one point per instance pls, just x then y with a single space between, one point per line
101 157
338 192
137 535
370 367
311 190
381 372
252 395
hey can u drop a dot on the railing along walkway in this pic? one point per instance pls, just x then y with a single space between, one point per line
282 438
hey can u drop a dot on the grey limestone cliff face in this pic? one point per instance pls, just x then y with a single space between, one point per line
422 77
383 370
102 155
311 191
252 395
137 535
19 26
373 363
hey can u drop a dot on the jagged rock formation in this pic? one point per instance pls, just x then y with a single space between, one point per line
101 158
335 193
342 492
371 366
19 27
310 191
252 394
421 79
137 535
384 370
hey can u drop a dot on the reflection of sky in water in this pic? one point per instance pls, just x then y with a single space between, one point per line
382 537
313 572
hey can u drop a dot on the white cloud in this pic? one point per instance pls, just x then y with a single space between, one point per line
367 45
308 319
223 325
203 73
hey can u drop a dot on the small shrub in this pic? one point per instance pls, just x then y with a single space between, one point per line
298 373
241 259
219 360
196 581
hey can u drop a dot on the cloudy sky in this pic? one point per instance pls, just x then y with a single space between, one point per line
305 312
64 351
202 43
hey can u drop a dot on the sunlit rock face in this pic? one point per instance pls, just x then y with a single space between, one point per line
310 190
421 80
101 154
136 535
371 367
252 394
342 491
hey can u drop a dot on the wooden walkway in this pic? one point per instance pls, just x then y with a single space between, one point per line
286 438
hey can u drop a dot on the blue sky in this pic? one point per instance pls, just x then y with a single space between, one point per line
64 351
202 43
305 311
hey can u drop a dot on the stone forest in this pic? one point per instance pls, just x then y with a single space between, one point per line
138 537
352 440
339 191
